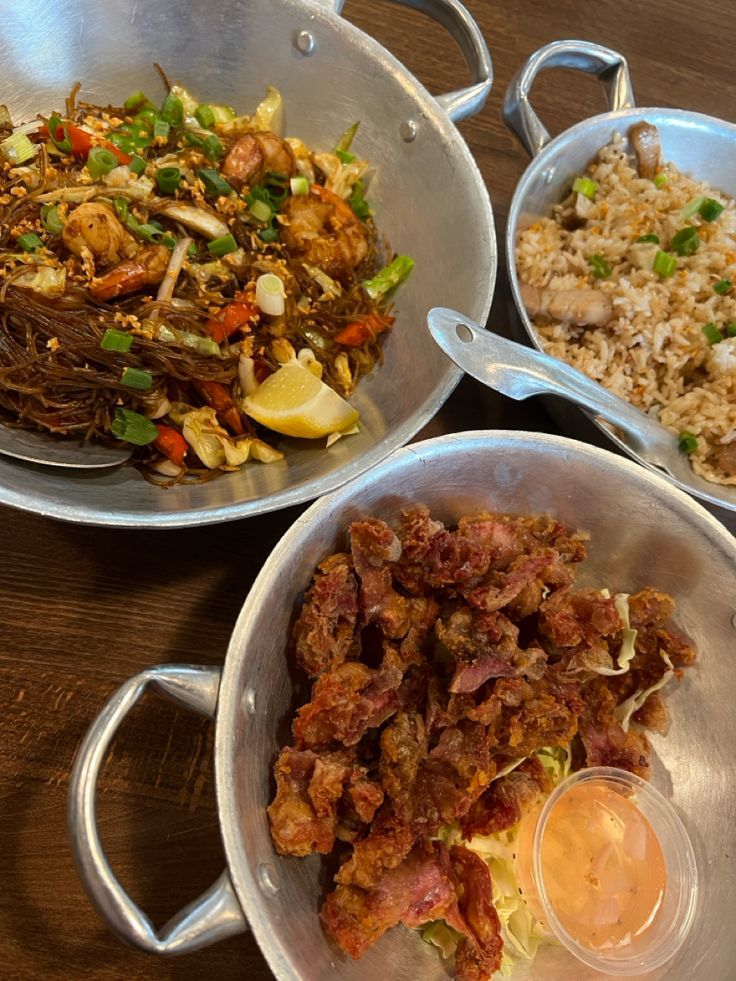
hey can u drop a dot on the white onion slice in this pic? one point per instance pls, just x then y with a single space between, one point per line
270 294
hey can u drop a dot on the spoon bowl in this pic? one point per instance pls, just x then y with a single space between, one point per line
34 447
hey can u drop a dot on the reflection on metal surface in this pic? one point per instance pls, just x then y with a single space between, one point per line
305 42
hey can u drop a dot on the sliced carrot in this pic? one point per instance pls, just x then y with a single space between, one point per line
227 320
365 329
82 142
171 443
217 395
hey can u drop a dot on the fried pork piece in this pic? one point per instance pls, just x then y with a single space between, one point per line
507 798
605 742
305 814
429 884
538 713
324 634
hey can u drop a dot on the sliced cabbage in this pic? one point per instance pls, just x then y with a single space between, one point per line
628 649
340 177
212 444
197 219
623 712
122 179
45 280
329 286
269 114
188 102
302 157
442 936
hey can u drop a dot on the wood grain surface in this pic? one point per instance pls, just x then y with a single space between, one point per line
83 609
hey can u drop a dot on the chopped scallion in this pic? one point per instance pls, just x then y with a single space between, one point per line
205 116
710 209
261 211
664 264
213 183
121 207
722 287
600 269
691 208
212 148
299 185
649 238
345 156
100 161
223 245
584 186
730 329
161 128
137 165
17 148
358 202
51 220
116 340
269 234
688 441
686 241
133 427
173 110
712 333
168 179
389 277
137 101
137 378
65 143
30 242
660 180
151 232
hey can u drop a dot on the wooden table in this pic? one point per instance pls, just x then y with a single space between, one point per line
84 608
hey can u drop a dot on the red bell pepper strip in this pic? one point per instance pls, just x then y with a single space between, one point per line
82 141
365 329
227 320
218 396
171 443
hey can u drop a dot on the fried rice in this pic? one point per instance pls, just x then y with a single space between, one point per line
653 350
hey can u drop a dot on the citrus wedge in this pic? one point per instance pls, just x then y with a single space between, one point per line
295 402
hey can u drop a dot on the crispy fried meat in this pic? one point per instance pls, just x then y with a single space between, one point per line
507 798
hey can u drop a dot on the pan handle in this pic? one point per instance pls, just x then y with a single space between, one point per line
214 915
607 65
457 21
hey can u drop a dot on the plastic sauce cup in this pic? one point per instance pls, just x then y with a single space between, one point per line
607 867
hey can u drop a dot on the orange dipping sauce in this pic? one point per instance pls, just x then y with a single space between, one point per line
602 867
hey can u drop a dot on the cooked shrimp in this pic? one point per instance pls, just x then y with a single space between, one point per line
326 232
253 155
584 308
147 267
94 228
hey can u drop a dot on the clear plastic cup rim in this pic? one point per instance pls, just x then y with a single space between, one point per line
682 875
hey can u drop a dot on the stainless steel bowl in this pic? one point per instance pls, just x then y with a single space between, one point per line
644 531
699 145
228 51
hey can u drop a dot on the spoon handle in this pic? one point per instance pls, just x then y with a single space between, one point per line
520 372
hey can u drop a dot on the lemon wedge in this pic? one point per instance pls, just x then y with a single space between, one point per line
295 402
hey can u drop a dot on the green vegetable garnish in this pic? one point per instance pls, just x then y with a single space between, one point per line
686 241
688 441
600 269
30 242
133 427
137 378
712 333
649 238
664 264
223 245
101 161
116 340
168 179
584 186
722 287
389 277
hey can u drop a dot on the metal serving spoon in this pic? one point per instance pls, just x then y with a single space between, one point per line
25 444
520 372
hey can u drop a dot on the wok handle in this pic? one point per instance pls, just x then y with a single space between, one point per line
457 21
214 915
607 65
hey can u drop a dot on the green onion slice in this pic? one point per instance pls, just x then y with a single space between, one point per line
660 179
137 378
389 277
686 241
17 148
65 143
688 441
212 148
137 165
730 329
116 340
223 245
168 179
299 185
358 202
261 211
345 156
101 161
584 186
710 209
268 235
649 238
137 101
173 110
133 427
51 220
722 287
161 128
712 333
664 264
30 242
213 183
151 232
205 116
600 269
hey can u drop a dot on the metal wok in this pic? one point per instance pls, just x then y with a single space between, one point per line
644 531
698 145
330 74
